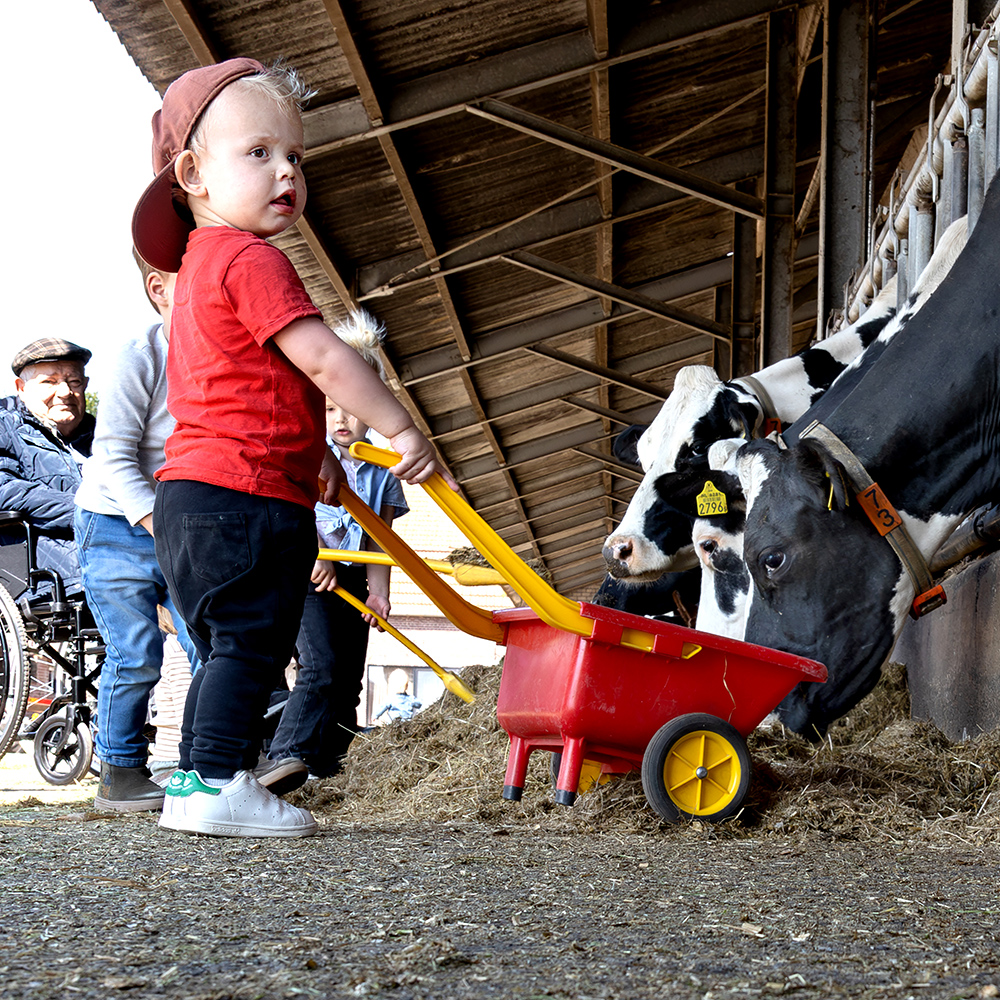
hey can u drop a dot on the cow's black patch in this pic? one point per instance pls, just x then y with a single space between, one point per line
726 418
821 368
732 582
624 445
656 598
868 329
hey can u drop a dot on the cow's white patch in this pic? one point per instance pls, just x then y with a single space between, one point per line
694 392
713 545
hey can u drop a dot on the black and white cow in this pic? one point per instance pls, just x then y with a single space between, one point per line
701 409
718 542
725 583
654 536
924 420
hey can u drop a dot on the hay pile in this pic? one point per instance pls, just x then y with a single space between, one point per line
878 776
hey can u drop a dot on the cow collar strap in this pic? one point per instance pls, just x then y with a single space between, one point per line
885 518
772 422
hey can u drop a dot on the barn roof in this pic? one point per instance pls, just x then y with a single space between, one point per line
538 200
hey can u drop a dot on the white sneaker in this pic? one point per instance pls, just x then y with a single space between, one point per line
240 808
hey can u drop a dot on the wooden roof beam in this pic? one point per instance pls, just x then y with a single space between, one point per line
646 167
185 14
544 63
369 99
553 221
580 317
629 297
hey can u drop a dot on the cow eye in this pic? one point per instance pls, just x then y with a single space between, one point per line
709 545
773 561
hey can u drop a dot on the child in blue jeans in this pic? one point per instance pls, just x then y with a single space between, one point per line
113 527
320 717
250 364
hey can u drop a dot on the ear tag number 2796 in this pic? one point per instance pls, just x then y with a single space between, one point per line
711 501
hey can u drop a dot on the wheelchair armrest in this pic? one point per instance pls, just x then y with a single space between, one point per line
11 517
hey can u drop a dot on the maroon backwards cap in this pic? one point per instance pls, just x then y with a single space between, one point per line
158 231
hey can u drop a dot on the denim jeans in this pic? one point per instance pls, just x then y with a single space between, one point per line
320 717
123 585
237 566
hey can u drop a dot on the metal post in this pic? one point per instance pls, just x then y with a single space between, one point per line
977 164
943 216
992 104
903 273
847 49
778 262
921 237
744 297
959 177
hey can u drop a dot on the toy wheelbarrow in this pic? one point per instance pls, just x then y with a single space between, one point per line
598 685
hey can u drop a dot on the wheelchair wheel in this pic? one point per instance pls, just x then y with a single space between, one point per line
14 673
63 750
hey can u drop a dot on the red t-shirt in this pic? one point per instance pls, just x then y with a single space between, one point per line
247 418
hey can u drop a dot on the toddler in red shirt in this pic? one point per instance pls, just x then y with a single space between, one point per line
250 364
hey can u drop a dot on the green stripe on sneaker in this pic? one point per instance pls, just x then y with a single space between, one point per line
187 783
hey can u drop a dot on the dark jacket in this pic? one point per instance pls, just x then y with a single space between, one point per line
39 468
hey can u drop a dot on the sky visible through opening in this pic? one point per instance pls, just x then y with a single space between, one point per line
77 111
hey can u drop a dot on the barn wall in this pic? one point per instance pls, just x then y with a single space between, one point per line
952 656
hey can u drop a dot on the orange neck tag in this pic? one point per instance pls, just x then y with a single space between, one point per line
880 512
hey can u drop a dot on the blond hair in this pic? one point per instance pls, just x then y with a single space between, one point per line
281 83
365 334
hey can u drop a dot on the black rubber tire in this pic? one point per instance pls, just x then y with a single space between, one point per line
697 766
63 750
15 679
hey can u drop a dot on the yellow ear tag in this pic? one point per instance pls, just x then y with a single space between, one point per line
711 501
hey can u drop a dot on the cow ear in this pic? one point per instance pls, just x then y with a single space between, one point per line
624 445
834 475
741 414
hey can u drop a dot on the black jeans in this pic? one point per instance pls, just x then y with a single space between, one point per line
237 567
319 719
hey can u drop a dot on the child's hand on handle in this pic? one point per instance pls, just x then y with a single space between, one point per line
324 575
380 605
331 478
418 460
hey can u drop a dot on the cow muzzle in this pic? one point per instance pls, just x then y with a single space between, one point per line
618 555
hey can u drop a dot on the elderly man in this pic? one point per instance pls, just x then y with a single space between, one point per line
45 434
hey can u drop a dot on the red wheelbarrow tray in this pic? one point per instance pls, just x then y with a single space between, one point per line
589 682
594 699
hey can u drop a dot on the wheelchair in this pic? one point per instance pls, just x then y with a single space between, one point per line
58 629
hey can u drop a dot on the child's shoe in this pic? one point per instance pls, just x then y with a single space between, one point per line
127 789
282 776
240 808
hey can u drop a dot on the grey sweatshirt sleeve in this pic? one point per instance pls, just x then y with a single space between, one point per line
132 427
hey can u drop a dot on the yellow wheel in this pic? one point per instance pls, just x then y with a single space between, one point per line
696 766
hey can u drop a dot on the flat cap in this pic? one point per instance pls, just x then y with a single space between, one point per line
48 349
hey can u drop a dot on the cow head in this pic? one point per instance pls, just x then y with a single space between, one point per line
700 410
825 585
725 584
664 598
654 536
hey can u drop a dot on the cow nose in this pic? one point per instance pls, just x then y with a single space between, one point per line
617 554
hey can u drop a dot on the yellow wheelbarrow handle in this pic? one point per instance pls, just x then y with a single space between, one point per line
465 573
550 606
451 681
465 616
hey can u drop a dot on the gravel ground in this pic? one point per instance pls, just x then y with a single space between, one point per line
865 867
99 905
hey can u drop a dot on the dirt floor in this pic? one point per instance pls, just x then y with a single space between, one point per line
865 867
